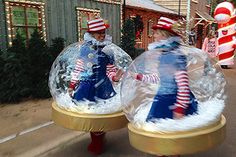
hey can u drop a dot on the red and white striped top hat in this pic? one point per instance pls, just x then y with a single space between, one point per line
165 23
97 25
223 12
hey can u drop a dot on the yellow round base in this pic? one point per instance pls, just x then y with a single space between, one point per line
178 143
88 122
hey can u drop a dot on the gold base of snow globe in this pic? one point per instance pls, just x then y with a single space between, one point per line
178 143
88 122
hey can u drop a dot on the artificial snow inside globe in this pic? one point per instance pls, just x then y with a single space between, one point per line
85 81
174 99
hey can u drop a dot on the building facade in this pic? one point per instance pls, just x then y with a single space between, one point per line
199 14
149 13
180 6
56 18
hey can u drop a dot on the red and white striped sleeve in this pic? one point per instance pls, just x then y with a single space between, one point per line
183 91
148 78
79 67
111 71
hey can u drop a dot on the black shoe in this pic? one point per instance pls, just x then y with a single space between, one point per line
224 66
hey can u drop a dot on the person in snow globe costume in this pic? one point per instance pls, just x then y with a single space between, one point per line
173 98
91 74
167 78
102 67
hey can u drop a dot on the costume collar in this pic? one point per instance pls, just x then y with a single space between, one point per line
165 44
88 38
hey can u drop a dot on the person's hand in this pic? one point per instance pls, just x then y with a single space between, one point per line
177 115
81 42
118 75
133 74
70 91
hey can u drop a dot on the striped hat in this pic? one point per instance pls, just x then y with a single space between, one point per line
165 23
97 25
223 12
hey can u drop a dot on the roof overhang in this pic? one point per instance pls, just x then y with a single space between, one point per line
203 17
149 5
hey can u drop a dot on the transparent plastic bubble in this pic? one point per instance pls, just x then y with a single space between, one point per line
86 78
158 78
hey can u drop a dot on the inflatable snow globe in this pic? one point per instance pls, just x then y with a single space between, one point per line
174 101
85 81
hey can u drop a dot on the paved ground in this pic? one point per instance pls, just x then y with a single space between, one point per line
27 130
33 133
17 117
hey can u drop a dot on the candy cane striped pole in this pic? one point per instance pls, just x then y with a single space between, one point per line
226 19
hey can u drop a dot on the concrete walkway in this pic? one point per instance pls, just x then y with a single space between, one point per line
27 131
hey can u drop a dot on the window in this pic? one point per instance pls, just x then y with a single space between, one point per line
139 26
84 15
24 18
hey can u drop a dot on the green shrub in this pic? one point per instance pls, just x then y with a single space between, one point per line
128 37
1 62
57 46
14 73
40 63
24 71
